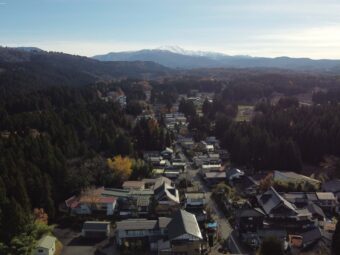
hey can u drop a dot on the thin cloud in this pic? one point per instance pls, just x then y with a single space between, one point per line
3 3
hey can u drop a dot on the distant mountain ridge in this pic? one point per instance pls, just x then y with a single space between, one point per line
175 57
52 68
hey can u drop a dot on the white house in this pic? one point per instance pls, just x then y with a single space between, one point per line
45 246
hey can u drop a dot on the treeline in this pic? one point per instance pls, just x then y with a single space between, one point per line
283 136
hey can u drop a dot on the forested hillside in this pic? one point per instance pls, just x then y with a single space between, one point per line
54 142
40 68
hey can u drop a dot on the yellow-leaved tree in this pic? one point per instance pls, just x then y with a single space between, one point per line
121 166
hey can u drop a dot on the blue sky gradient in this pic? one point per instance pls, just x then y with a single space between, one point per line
297 28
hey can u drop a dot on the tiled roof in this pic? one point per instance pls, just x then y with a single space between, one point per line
271 199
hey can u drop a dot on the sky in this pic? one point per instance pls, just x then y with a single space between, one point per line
268 28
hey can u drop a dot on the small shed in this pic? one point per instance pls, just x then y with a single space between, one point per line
96 229
45 246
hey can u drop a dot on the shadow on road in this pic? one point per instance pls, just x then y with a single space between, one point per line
80 241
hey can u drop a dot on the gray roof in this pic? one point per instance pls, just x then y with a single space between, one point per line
183 223
234 171
115 192
293 175
163 222
123 193
254 212
136 224
278 233
46 242
212 175
165 190
160 180
95 225
271 199
195 195
325 196
332 186
314 209
142 224
311 235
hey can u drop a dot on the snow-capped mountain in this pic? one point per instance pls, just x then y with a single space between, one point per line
179 50
176 57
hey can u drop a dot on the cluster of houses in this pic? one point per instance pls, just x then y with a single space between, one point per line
166 163
117 96
301 219
156 215
150 215
175 121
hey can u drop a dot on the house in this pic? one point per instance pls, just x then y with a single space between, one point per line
310 237
134 185
224 154
154 183
249 220
141 234
195 200
282 213
167 153
274 205
45 246
332 186
172 172
248 186
296 179
167 198
208 147
184 234
316 211
195 203
186 142
327 201
234 173
91 202
212 140
179 163
118 97
213 178
96 229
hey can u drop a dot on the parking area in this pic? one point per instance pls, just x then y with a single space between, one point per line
73 243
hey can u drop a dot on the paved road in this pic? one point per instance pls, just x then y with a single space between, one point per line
226 231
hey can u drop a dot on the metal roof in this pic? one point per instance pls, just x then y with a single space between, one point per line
183 223
46 242
95 225
136 224
325 196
